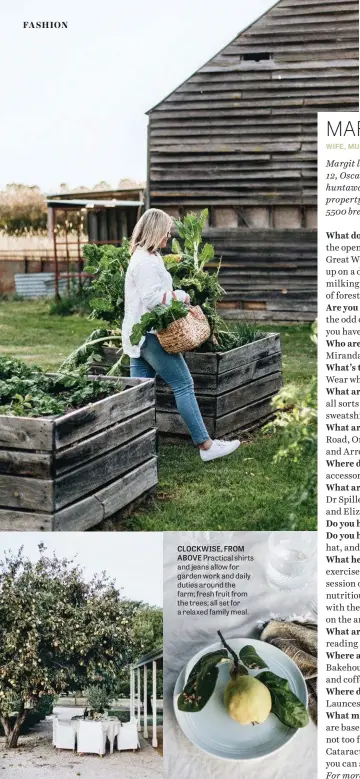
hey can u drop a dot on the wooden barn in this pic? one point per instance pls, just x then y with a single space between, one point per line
239 137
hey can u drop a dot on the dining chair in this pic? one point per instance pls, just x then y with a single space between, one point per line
91 738
64 735
128 738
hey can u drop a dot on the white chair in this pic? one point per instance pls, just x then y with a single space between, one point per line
91 738
128 737
64 735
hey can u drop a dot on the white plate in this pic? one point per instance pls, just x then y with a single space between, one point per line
213 731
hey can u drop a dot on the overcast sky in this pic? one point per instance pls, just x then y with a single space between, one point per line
134 560
73 101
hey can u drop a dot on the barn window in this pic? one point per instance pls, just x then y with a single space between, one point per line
256 56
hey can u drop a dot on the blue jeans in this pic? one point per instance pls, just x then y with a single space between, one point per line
173 370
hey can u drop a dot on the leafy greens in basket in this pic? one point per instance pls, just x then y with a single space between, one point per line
158 319
245 698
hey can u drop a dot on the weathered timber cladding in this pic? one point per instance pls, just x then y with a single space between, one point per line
239 137
73 471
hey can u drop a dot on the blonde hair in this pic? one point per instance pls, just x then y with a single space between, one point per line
150 230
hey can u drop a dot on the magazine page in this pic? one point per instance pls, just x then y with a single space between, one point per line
179 246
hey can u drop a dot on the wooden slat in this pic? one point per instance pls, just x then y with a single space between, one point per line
26 433
263 366
202 363
97 416
203 382
24 493
248 353
248 393
106 502
244 418
172 424
23 463
272 316
110 438
24 521
165 401
132 486
86 479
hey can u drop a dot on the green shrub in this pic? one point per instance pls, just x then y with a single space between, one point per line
75 303
297 421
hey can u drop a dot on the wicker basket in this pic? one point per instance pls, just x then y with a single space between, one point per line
187 333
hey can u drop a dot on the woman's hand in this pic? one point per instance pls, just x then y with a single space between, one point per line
187 300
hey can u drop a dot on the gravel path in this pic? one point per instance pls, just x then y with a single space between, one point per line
36 758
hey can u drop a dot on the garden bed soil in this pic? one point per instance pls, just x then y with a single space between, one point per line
234 389
72 471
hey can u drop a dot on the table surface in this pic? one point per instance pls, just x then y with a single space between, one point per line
183 636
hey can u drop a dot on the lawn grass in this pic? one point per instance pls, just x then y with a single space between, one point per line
245 491
28 332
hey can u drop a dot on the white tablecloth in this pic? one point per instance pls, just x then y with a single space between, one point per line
183 636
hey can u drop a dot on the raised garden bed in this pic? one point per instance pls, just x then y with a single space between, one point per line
70 472
234 389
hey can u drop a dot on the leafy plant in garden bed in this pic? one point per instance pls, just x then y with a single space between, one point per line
28 391
108 265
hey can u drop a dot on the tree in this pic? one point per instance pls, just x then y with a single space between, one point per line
58 633
23 210
147 630
147 634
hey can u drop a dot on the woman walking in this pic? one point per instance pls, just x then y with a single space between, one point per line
147 284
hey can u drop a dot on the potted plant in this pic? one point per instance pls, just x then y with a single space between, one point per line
98 701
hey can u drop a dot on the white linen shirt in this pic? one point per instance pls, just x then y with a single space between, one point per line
146 283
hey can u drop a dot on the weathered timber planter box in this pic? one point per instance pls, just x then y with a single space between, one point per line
72 471
234 389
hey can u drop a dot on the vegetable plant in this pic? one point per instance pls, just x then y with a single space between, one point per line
108 266
158 319
28 391
203 677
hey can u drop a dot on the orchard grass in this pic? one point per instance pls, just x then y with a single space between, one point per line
245 491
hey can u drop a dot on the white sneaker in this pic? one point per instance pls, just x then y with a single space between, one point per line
218 449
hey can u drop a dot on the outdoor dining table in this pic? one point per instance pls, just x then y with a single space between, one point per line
111 727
